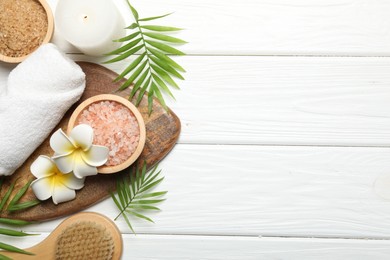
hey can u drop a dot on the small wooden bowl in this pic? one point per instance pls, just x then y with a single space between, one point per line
110 97
48 36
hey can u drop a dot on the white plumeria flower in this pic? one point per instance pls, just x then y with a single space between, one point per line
76 152
52 182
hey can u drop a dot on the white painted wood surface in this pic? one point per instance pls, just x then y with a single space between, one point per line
178 247
341 101
285 113
275 27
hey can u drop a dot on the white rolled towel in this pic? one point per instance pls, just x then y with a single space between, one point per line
39 92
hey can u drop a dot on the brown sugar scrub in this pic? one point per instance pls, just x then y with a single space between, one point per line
23 27
116 124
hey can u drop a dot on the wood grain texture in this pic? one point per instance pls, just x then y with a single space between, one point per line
283 100
245 190
243 248
233 248
163 128
271 27
328 101
270 191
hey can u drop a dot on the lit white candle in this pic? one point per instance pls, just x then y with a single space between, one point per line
90 25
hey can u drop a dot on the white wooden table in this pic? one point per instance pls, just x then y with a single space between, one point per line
285 115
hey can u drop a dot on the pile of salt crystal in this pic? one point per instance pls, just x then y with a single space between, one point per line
115 127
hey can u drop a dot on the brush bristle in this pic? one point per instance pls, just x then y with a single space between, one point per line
85 240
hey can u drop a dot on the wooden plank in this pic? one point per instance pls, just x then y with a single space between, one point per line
222 248
277 27
267 191
272 191
283 100
147 247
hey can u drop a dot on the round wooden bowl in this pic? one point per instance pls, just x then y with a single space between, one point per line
110 97
49 34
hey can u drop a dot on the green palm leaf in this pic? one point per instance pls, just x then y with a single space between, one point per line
14 233
164 47
143 207
165 76
125 54
11 248
135 13
166 67
3 257
23 205
138 84
153 18
134 76
134 194
159 28
132 26
158 94
13 204
126 47
162 85
18 195
127 38
139 215
163 37
132 66
152 69
13 222
143 90
165 58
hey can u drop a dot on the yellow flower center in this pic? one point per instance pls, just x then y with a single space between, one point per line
77 159
60 178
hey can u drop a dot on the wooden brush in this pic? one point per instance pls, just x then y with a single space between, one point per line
83 236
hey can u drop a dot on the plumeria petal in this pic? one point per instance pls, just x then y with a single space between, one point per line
72 182
74 153
64 162
61 193
82 169
43 166
60 143
96 156
42 188
82 136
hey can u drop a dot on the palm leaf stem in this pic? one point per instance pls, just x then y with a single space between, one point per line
127 205
143 42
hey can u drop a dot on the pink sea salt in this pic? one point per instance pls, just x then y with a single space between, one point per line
115 127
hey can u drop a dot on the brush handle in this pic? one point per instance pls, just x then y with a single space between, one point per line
46 250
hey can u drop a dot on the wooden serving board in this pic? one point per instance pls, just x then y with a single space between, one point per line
162 132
